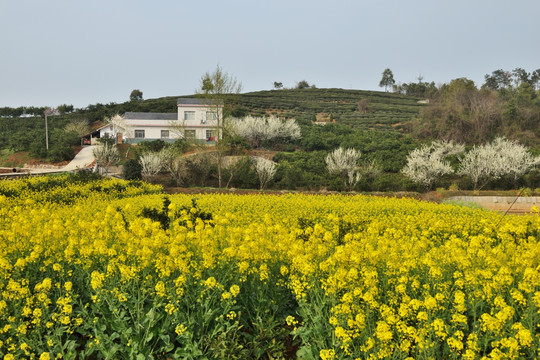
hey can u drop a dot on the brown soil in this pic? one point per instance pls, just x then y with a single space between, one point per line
17 159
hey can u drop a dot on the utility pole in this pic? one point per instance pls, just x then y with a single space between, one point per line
48 111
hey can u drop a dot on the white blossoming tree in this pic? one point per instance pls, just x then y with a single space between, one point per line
257 129
265 170
120 126
501 157
344 162
106 156
151 163
428 163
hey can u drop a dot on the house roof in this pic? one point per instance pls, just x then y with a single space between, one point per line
196 101
150 116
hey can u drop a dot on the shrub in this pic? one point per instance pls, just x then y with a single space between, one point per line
132 170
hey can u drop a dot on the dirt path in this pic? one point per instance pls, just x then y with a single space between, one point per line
512 204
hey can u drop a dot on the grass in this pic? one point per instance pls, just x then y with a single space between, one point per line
10 158
468 204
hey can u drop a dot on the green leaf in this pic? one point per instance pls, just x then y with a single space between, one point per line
148 338
166 339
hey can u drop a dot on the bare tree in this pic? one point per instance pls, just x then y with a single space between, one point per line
215 87
174 163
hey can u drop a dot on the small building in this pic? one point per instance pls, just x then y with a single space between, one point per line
148 127
195 120
198 118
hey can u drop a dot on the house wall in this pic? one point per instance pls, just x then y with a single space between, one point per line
200 114
200 123
107 130
152 127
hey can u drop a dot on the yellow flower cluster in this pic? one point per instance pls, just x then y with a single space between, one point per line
389 278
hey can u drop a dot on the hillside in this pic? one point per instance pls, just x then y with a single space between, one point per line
356 108
383 127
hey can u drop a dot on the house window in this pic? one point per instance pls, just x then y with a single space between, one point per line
211 116
190 134
139 134
209 135
164 134
189 115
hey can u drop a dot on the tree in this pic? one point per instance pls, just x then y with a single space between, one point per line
278 85
426 164
387 79
257 129
106 156
535 79
173 163
265 169
65 109
521 76
132 170
498 79
515 158
345 164
501 157
302 84
81 127
120 126
215 87
151 164
136 95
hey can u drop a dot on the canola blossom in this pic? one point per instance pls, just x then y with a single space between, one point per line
115 269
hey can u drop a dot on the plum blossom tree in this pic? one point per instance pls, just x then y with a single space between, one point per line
106 156
120 126
265 170
344 162
501 157
426 164
257 129
151 163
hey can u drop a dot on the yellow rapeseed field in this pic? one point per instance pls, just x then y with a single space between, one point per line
107 269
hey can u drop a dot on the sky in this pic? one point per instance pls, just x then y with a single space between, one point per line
86 52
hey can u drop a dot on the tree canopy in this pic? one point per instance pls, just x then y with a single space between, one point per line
387 79
136 95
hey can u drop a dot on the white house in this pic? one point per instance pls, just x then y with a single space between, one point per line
195 119
198 118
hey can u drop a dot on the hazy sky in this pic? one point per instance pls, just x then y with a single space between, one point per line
84 52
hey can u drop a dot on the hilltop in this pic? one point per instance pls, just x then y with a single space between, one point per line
356 108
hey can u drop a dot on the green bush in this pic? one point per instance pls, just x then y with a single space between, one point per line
107 140
132 170
244 176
